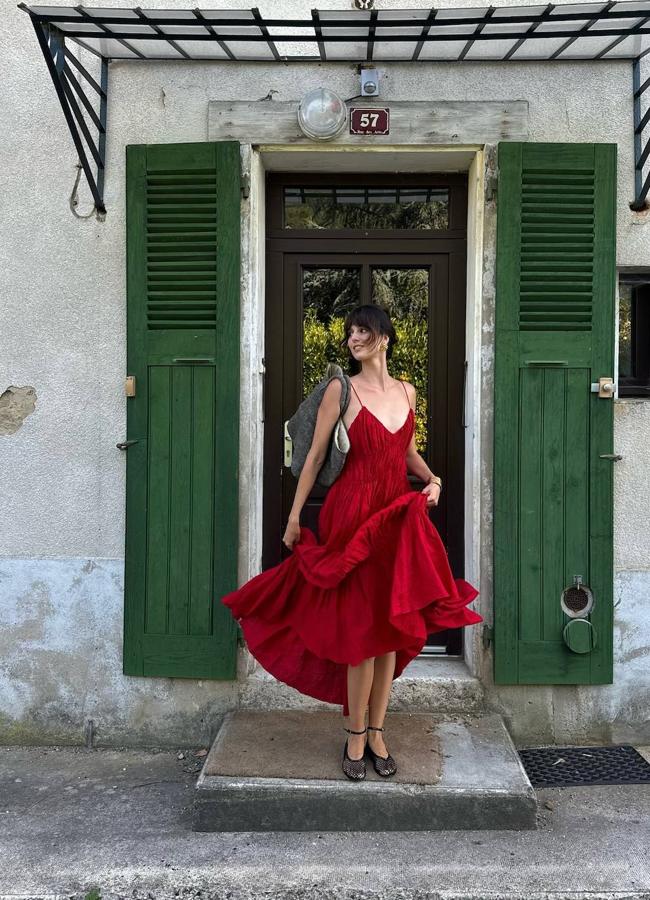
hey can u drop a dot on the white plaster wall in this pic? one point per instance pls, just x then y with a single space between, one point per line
63 332
65 278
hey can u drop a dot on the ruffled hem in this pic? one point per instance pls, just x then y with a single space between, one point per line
323 608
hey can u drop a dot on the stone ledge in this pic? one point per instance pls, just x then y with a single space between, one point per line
426 685
480 783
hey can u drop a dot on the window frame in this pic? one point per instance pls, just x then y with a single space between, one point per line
454 182
638 384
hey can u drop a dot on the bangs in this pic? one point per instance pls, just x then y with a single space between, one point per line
364 318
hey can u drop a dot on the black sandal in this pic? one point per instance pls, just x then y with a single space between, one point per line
384 765
353 768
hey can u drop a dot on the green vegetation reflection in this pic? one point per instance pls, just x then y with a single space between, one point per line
329 293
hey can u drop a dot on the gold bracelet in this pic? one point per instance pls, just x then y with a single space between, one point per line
435 479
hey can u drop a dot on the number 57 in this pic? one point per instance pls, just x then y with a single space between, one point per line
368 120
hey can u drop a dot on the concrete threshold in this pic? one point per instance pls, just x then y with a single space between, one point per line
428 684
281 771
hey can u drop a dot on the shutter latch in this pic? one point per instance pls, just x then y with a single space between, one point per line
604 387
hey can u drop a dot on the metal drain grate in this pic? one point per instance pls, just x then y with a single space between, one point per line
564 766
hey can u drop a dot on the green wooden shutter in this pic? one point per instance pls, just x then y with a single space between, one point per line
556 236
183 260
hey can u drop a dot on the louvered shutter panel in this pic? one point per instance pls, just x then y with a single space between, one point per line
556 234
183 257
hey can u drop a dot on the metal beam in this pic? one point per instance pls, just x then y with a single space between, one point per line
120 17
224 46
641 186
396 38
318 31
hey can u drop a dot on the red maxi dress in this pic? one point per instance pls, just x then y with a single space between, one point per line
378 578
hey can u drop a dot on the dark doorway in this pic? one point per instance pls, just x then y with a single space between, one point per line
333 242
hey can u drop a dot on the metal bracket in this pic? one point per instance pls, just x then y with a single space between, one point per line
641 186
58 59
488 635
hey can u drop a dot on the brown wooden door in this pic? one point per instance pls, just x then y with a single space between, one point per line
313 280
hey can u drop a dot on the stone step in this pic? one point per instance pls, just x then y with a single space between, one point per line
280 770
428 684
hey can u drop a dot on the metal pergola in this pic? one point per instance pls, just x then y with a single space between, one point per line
580 31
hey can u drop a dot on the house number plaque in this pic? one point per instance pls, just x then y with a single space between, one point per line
372 120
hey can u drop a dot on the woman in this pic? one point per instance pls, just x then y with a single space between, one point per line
341 617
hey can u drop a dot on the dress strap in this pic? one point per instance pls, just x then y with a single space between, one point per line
400 381
358 397
406 392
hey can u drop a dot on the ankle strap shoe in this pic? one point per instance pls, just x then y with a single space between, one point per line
384 765
355 769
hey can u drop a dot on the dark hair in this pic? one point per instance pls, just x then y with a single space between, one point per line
377 320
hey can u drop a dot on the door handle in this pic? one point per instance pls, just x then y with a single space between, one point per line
613 456
288 446
124 445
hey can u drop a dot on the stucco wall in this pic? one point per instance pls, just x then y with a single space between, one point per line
62 545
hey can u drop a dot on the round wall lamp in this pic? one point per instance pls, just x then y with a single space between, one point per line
322 114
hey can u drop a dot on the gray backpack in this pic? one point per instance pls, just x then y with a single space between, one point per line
299 430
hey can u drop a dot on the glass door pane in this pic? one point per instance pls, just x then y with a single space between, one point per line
404 294
328 294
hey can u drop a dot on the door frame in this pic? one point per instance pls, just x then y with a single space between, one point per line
444 253
478 161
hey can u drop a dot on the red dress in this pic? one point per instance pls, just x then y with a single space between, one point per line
379 580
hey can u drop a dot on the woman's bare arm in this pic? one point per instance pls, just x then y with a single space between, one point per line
328 413
414 462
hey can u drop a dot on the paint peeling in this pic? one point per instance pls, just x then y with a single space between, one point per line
16 403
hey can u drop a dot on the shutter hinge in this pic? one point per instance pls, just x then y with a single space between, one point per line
488 635
245 186
491 183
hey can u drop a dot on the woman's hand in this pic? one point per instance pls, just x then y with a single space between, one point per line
292 533
433 493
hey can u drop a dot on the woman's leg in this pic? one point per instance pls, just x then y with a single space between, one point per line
359 683
378 700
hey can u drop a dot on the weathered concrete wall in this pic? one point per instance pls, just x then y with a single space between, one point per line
65 337
61 649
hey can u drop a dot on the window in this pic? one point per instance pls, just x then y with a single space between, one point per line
367 207
634 334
